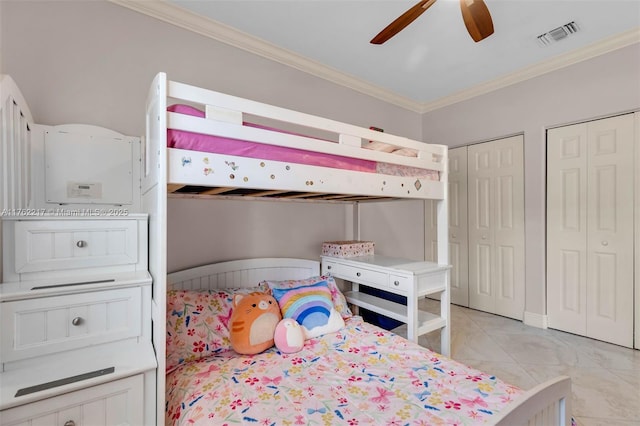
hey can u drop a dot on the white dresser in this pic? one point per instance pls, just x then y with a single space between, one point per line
404 277
75 309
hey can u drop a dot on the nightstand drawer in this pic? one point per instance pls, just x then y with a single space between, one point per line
120 402
432 283
41 326
47 245
354 273
400 283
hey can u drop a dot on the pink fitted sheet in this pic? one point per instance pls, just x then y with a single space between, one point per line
221 145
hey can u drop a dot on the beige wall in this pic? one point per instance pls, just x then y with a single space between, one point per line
605 85
202 231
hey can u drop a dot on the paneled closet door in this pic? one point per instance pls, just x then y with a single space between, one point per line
458 226
590 229
496 227
567 228
610 229
458 244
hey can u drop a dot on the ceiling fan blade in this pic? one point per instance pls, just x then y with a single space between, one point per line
402 21
477 19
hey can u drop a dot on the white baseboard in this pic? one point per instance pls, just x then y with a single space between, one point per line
536 320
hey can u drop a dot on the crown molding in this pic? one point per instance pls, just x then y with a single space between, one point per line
207 27
608 45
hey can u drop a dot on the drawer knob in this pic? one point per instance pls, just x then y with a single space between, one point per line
329 267
82 243
396 283
69 423
358 273
77 321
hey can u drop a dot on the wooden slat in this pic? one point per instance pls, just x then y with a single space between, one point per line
228 192
365 198
173 187
265 193
220 190
336 197
303 195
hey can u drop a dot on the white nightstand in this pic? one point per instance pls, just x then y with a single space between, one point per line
404 277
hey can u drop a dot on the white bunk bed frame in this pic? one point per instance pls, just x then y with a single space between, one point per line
226 173
179 173
172 172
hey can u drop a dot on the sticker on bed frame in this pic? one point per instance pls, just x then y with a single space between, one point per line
417 184
186 161
232 164
208 171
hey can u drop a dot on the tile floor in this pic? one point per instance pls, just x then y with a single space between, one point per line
605 377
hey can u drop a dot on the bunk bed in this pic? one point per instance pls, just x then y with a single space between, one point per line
396 168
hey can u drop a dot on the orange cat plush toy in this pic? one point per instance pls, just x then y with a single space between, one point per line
253 322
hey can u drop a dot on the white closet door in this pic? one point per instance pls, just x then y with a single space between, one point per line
590 239
496 227
610 230
566 228
458 226
430 231
458 246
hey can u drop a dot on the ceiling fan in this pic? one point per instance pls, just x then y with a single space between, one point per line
475 14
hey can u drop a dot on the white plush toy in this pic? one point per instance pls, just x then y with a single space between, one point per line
289 336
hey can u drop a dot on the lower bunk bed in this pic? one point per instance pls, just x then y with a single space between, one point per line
359 374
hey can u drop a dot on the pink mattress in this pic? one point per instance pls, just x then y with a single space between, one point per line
242 148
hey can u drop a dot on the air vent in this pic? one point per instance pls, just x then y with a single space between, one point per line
557 34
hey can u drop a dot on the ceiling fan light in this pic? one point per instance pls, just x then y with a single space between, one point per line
477 19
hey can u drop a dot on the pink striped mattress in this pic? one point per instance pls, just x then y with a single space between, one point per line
221 145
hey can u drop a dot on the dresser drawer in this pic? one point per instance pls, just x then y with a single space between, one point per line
120 402
47 245
41 326
354 273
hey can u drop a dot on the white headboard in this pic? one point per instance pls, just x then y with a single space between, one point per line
242 273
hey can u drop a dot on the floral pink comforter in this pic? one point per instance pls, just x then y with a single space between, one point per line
362 375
